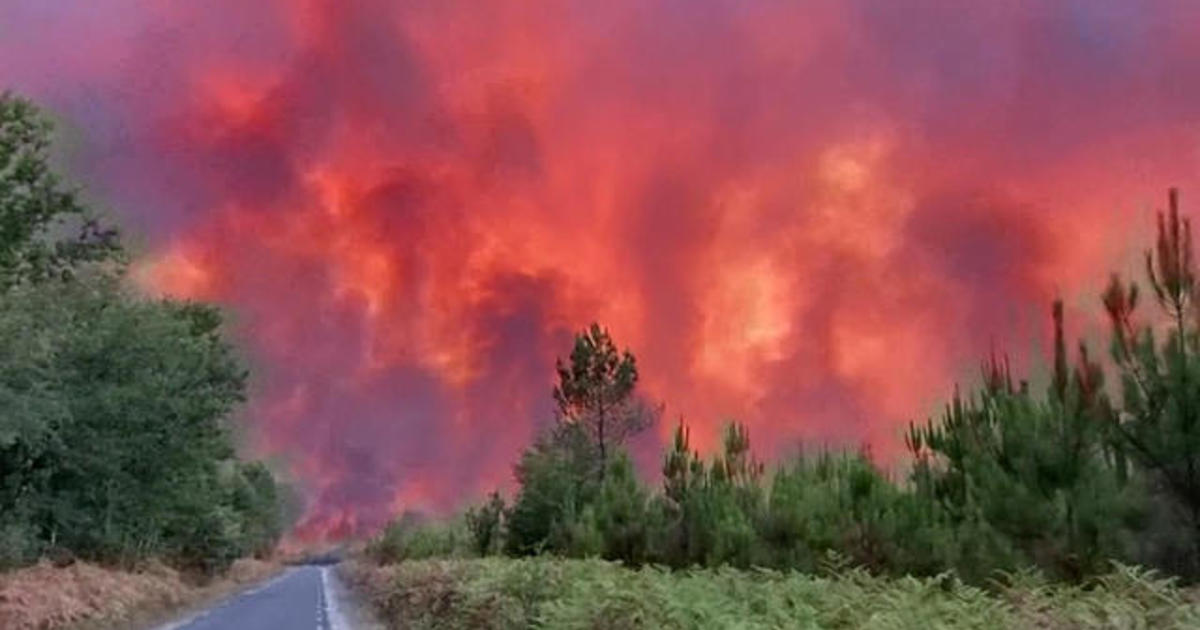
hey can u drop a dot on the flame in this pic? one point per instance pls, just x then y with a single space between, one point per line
811 217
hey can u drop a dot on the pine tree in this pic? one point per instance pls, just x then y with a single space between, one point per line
1159 423
595 391
1042 473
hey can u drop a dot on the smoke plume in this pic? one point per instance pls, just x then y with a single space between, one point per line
812 217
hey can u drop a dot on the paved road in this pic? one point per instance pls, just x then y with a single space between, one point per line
303 598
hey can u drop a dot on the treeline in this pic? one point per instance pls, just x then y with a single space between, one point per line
114 437
1006 478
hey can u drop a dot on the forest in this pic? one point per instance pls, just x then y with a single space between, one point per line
1073 504
116 435
1007 477
117 445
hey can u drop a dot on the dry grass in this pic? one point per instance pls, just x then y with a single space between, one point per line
45 597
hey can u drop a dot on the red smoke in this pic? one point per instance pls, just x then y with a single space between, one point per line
811 217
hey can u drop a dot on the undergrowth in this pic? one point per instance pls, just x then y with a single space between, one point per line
554 593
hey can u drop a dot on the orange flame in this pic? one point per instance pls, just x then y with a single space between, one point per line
811 217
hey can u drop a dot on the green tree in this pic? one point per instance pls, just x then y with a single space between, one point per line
257 503
1159 422
828 503
45 232
114 445
114 441
556 482
737 465
486 523
596 392
562 472
684 476
620 513
1044 474
708 512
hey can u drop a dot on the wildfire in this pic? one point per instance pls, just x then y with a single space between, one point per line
810 217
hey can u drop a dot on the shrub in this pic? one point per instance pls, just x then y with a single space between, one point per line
412 537
620 514
548 593
556 483
486 525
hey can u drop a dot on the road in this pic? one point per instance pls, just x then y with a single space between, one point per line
302 598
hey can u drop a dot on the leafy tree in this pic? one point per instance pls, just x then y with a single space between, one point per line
413 536
130 426
113 408
682 469
596 392
37 213
257 504
113 442
556 482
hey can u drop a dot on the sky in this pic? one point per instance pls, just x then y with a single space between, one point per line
814 218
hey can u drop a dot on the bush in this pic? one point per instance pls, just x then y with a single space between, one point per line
19 544
1040 474
542 592
257 504
118 436
620 514
411 537
556 483
486 523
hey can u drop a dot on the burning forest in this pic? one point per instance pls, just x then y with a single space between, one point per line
811 217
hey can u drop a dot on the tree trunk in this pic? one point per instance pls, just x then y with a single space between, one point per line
601 447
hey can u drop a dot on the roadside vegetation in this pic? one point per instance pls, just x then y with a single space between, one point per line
1022 506
87 596
115 437
543 592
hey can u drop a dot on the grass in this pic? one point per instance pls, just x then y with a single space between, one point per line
553 593
84 595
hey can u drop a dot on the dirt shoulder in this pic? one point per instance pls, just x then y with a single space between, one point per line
85 596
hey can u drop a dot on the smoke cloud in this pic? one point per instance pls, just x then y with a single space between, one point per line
811 217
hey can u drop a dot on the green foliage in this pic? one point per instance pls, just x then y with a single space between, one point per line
839 503
1043 474
547 593
620 514
118 429
113 408
1159 423
556 483
257 501
595 391
684 475
1003 480
37 214
486 523
412 537
709 515
563 472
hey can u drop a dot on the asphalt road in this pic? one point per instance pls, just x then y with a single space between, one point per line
303 598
